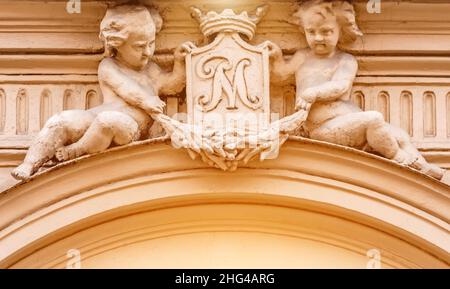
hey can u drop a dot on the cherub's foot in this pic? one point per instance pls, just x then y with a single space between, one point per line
23 172
69 152
435 172
405 158
430 170
419 164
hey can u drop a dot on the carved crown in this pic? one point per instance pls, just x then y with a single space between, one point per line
212 23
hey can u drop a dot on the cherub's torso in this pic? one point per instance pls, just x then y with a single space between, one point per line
112 101
143 77
315 71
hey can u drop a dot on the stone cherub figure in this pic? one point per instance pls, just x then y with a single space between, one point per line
324 77
130 84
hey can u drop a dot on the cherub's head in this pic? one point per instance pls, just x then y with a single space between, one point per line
128 33
326 24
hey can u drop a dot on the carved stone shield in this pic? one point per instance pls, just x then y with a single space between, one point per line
227 91
228 85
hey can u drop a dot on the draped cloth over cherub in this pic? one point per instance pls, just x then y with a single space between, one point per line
228 101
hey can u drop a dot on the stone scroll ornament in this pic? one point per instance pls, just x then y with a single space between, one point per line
228 101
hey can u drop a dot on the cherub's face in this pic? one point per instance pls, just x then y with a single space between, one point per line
138 49
322 34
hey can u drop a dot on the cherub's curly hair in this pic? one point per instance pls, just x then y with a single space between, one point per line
119 21
342 10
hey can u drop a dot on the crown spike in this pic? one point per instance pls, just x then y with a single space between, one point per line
212 23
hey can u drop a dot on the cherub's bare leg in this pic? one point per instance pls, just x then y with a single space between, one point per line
421 164
61 129
108 127
357 129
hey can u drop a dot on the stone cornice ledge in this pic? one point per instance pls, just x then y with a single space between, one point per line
298 154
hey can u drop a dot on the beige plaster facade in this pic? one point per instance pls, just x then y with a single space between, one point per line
316 205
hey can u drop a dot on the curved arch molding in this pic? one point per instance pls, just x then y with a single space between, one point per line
149 205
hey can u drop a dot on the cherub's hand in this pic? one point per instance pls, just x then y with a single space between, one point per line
302 104
182 50
309 95
306 99
275 51
154 105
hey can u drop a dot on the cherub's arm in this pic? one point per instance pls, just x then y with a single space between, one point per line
170 83
281 69
340 84
127 88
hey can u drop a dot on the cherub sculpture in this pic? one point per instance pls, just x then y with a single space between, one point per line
130 84
324 77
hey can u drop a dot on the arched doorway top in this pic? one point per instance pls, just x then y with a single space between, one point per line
151 175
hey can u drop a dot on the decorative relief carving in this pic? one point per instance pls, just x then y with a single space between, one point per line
69 100
221 84
227 93
383 105
93 99
406 112
44 100
324 77
447 102
22 112
429 116
2 110
130 84
410 112
45 107
358 98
